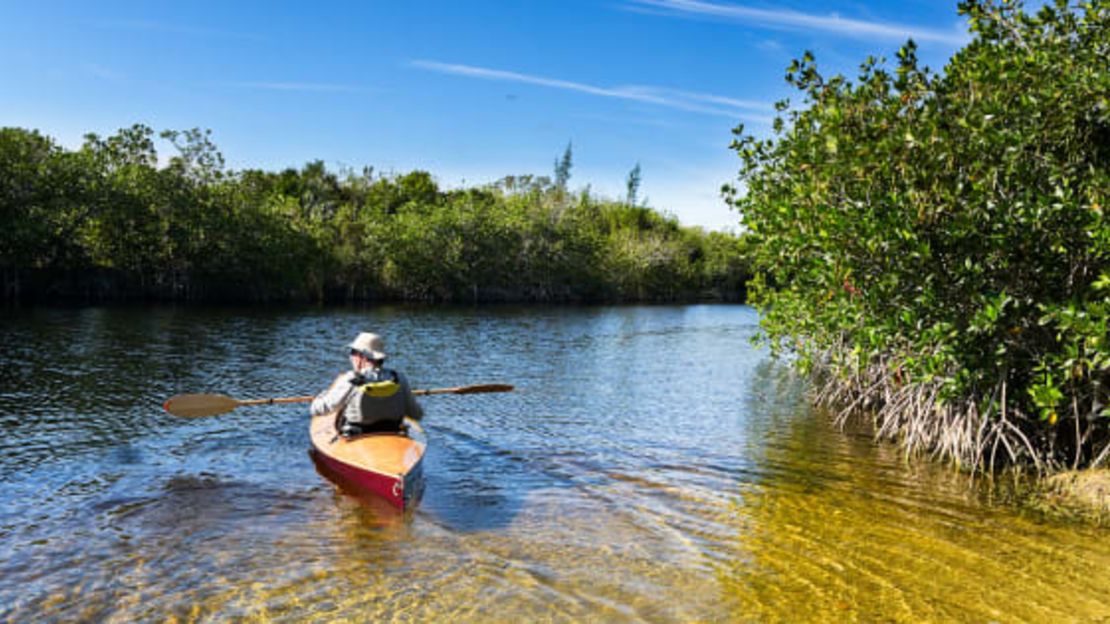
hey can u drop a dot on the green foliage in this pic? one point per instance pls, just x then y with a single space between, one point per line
562 169
945 234
192 230
633 185
31 171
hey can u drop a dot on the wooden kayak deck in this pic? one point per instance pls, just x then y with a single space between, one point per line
387 454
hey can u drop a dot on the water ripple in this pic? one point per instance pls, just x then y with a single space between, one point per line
652 466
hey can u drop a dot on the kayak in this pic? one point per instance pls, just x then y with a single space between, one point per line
389 465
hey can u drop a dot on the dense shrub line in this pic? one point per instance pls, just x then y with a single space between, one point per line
110 221
935 246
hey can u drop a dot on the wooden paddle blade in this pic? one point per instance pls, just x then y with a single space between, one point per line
196 405
466 389
484 388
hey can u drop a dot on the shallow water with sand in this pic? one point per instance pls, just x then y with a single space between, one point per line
652 466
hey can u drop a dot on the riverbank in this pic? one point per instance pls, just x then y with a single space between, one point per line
948 277
1077 493
105 285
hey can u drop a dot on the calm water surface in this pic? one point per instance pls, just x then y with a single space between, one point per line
652 466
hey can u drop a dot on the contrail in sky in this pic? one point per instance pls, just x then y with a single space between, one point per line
671 98
784 18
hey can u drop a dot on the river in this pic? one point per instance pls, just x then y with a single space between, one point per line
653 465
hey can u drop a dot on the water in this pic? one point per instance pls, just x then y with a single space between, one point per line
652 466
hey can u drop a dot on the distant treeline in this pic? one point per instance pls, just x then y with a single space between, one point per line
111 221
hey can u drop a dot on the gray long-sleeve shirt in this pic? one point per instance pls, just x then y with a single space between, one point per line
347 393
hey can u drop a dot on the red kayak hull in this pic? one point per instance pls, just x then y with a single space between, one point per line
389 466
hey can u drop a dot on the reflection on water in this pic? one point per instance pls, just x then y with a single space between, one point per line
652 466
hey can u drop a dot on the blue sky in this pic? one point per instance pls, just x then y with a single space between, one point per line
469 91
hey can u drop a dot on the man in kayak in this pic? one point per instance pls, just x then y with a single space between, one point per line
369 398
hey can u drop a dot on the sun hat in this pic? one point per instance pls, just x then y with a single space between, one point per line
371 345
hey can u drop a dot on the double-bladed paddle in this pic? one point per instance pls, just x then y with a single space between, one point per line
196 405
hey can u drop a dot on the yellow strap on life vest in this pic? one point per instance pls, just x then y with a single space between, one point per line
380 388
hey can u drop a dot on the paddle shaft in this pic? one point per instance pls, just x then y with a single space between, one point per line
456 390
192 405
300 399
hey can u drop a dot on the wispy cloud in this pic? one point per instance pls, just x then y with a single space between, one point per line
307 87
174 29
770 45
102 72
795 20
671 98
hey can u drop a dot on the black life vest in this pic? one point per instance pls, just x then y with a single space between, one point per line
378 399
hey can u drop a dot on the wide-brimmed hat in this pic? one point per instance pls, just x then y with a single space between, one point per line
370 345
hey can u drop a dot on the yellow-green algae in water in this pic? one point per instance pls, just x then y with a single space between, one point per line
911 542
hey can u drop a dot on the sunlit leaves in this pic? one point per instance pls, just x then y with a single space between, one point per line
189 229
949 226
